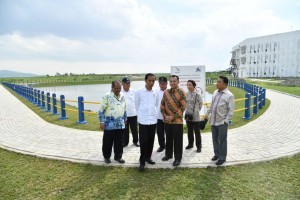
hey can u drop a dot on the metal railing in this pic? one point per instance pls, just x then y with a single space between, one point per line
48 102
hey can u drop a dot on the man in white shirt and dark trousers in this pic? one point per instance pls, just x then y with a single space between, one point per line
221 112
146 106
163 83
129 94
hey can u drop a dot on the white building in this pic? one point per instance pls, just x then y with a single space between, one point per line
275 55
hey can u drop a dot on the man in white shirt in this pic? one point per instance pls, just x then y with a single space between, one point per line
129 94
146 106
221 112
163 83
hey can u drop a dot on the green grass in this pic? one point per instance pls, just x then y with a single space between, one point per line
27 177
273 86
93 121
67 79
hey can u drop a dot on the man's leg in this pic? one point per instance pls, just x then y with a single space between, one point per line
214 133
222 130
169 140
118 148
107 142
178 141
161 133
143 133
151 137
133 128
126 135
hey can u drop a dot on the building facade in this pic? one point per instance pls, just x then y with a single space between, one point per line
275 55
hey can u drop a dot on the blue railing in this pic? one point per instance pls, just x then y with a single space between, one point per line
48 102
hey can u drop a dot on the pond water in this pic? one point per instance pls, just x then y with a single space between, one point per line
94 93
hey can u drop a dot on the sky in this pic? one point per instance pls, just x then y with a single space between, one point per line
133 36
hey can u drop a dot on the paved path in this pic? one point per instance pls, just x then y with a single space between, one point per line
274 134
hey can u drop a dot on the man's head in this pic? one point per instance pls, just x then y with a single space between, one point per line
149 80
163 83
222 83
116 87
126 83
174 81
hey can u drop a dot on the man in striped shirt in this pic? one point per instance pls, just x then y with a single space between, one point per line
172 107
221 112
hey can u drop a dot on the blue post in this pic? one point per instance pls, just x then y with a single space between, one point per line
43 100
39 97
247 105
30 95
48 102
35 97
54 108
80 111
255 108
63 106
264 97
260 98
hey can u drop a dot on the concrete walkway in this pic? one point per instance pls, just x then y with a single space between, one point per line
274 134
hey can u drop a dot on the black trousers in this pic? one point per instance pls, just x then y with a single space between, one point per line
161 133
147 135
112 138
174 138
132 123
194 127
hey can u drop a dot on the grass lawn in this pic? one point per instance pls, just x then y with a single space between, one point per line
93 121
27 177
287 89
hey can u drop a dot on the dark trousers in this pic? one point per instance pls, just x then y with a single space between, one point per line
174 138
219 138
147 135
112 138
160 127
132 123
194 127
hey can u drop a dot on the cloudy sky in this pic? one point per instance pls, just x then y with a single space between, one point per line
133 36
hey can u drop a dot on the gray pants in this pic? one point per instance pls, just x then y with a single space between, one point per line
219 138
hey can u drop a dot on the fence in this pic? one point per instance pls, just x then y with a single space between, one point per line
49 102
258 94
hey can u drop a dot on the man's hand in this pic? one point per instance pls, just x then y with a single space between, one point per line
169 118
102 126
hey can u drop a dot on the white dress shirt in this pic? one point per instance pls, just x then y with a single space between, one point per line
130 102
160 94
146 106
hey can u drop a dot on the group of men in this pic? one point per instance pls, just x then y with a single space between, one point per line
146 111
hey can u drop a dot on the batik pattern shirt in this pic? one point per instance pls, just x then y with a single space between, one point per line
112 111
173 104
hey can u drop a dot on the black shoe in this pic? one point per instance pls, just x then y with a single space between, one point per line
166 158
214 158
120 160
142 168
189 147
150 161
125 145
136 144
107 160
198 150
160 149
220 162
176 163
